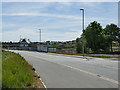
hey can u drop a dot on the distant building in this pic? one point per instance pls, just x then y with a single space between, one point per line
24 43
10 45
46 48
52 49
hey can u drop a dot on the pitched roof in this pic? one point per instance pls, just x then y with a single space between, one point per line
25 40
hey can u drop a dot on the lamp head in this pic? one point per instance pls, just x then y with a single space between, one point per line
81 9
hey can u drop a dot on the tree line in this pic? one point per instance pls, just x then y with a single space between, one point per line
98 39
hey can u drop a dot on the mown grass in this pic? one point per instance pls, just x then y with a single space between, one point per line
16 72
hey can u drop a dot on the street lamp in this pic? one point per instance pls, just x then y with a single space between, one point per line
83 32
40 39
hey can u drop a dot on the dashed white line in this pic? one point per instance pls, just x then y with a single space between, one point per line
102 77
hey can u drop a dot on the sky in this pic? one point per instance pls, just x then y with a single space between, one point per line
119 13
58 21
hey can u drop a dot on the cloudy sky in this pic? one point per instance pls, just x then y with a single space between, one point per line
59 21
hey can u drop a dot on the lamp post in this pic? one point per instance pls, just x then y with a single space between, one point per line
83 31
40 39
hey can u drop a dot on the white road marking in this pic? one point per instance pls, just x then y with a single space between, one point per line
41 81
83 60
102 77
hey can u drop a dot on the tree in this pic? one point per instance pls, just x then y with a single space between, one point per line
112 31
94 36
78 45
118 38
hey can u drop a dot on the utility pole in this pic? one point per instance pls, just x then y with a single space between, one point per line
20 37
83 31
40 39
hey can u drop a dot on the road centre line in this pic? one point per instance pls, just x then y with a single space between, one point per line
87 63
92 74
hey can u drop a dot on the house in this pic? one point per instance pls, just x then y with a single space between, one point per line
24 43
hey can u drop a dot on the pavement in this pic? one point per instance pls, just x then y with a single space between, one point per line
68 71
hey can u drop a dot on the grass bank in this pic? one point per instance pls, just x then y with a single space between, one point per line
16 72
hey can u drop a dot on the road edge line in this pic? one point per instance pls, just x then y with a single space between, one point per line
42 81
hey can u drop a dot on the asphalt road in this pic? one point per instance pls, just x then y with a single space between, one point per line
67 71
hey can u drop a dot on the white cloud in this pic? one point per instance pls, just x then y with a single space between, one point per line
72 29
65 3
6 25
67 36
68 22
56 15
91 4
33 35
119 14
72 21
43 14
25 7
61 1
15 34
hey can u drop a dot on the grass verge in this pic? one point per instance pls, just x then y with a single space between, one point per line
16 72
98 56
